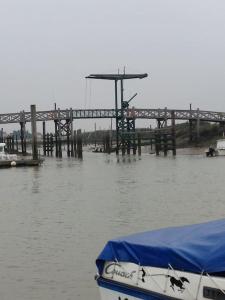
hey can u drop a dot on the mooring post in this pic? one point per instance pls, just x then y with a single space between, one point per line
59 135
75 143
165 145
173 129
1 135
13 144
107 143
44 139
17 146
51 143
139 143
68 137
117 119
34 132
190 125
128 136
79 144
157 143
198 125
22 132
56 139
71 133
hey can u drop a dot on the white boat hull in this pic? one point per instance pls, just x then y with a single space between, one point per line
220 152
128 281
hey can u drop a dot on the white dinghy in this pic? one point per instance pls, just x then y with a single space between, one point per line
5 156
178 263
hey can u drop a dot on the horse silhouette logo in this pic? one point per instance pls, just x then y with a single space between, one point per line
179 283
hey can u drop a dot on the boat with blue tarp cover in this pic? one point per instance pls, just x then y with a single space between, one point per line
179 263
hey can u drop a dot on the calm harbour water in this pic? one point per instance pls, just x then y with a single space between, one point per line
55 219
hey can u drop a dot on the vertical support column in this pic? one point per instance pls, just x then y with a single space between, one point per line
79 144
165 146
22 138
56 139
198 126
134 138
17 146
117 119
1 135
51 144
165 118
190 126
68 137
95 135
173 128
44 139
139 144
34 132
71 133
122 119
75 143
107 143
59 136
157 143
48 144
13 144
190 130
128 136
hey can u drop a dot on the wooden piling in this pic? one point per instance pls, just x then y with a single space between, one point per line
51 140
56 139
1 135
34 132
75 142
79 144
139 144
44 139
68 137
59 136
17 145
71 134
107 143
47 144
173 129
165 145
157 143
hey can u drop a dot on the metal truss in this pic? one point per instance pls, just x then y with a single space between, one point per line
55 115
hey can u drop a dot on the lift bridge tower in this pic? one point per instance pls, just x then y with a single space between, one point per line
125 122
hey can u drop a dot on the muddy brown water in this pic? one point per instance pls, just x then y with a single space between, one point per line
55 219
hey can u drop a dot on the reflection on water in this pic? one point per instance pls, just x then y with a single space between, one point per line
55 219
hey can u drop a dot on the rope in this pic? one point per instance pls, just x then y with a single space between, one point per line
199 284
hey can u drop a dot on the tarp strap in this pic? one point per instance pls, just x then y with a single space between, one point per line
199 284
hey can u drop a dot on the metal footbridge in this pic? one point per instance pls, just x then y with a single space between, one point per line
137 113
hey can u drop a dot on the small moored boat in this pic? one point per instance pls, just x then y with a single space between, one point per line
220 147
5 156
177 263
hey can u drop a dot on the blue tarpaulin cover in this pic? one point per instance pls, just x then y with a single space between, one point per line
194 248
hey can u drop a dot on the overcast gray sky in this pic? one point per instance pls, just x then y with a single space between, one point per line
48 47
